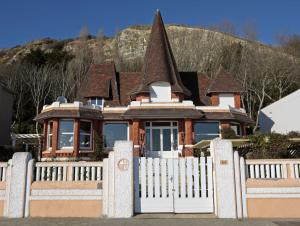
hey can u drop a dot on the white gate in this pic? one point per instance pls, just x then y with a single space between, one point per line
181 185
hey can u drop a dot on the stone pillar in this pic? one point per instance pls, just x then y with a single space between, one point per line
118 188
188 140
17 185
55 136
76 143
225 197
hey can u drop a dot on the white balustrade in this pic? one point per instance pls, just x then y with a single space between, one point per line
3 170
272 168
67 171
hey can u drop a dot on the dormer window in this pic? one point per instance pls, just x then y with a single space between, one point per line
226 99
97 101
160 92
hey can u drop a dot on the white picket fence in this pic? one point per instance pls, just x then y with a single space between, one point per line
296 170
183 185
68 171
3 171
272 169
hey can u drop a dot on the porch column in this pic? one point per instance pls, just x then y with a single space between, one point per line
135 137
54 136
76 138
188 140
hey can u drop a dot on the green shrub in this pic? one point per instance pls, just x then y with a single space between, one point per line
228 133
269 146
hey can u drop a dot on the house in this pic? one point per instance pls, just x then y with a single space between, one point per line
161 110
6 99
281 116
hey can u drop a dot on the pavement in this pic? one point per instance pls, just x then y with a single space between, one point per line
144 222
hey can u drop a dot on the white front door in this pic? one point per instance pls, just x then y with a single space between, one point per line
161 140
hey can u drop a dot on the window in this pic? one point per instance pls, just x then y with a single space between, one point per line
85 134
66 134
236 128
50 133
97 101
160 92
226 99
113 132
206 130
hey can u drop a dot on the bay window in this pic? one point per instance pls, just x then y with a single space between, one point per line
236 128
85 134
66 134
113 132
206 131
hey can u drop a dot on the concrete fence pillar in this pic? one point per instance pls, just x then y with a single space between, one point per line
17 183
118 181
222 153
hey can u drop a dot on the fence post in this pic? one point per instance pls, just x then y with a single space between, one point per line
222 153
123 179
17 185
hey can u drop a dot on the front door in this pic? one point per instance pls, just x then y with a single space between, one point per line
161 140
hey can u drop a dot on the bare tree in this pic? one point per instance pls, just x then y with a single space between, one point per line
99 53
83 57
250 31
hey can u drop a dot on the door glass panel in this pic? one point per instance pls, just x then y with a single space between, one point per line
147 139
155 139
166 139
175 139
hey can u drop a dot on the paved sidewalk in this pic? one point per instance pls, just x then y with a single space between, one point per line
143 222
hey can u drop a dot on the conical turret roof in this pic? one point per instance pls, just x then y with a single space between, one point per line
159 63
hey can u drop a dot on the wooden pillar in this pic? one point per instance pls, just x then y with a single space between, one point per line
54 136
188 141
135 137
76 143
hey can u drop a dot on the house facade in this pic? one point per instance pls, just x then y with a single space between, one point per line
164 112
6 99
281 116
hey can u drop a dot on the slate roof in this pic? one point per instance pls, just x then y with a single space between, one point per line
100 82
69 113
223 82
159 63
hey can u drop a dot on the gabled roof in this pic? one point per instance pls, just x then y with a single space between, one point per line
100 82
159 63
223 82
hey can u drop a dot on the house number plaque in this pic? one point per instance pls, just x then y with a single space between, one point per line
123 164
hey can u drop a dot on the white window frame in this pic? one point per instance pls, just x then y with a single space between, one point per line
219 134
114 122
67 147
97 99
161 135
49 135
90 134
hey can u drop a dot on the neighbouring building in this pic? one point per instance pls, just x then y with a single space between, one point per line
281 116
163 111
6 100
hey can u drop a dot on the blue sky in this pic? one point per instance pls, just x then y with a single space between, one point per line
22 21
